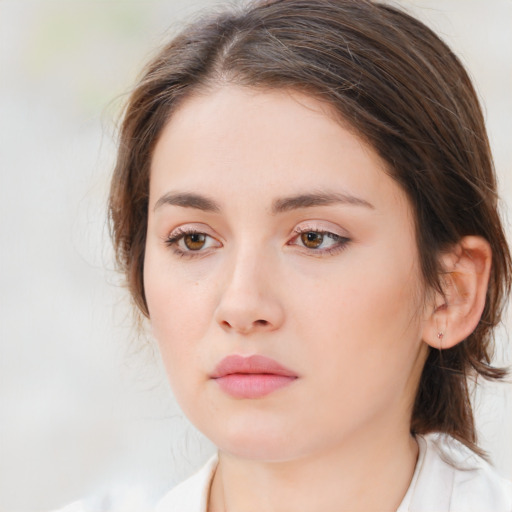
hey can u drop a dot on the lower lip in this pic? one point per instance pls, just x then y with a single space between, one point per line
252 385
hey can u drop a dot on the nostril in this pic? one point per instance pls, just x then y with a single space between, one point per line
244 328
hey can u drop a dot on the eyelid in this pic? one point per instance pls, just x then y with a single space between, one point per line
322 227
190 228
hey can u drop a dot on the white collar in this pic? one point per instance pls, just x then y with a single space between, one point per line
449 477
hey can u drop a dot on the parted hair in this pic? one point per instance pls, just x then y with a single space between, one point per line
401 89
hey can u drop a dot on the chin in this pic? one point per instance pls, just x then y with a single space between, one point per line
256 442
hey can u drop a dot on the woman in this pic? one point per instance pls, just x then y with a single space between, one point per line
304 206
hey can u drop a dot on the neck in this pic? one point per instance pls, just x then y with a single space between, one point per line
364 473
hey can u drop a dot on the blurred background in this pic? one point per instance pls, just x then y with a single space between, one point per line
85 411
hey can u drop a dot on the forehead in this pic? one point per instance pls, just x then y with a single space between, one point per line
255 143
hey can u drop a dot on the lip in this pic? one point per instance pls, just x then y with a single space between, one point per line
252 364
251 377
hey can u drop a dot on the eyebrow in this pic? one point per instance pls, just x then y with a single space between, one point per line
316 199
188 200
280 205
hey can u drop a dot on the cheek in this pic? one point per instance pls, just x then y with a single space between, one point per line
361 343
365 312
179 311
178 323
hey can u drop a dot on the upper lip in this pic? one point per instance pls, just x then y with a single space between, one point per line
252 364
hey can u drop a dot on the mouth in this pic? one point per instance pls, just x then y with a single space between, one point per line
251 377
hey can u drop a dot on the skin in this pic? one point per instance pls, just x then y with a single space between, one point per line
349 322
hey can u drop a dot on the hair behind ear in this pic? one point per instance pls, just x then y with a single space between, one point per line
443 403
458 350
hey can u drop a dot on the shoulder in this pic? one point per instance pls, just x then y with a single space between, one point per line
128 498
192 494
462 480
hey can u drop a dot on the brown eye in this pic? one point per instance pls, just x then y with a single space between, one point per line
312 239
189 244
194 241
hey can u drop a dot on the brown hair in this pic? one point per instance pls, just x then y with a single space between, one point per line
401 88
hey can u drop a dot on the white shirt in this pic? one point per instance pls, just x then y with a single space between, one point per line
448 478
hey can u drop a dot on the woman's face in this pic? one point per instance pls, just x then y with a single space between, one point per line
273 230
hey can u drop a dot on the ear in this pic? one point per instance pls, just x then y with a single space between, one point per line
457 311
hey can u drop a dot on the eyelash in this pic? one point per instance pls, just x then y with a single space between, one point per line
180 233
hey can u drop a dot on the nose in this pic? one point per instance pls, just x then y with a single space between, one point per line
249 300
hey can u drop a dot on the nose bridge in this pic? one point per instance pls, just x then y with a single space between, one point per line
248 297
248 262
